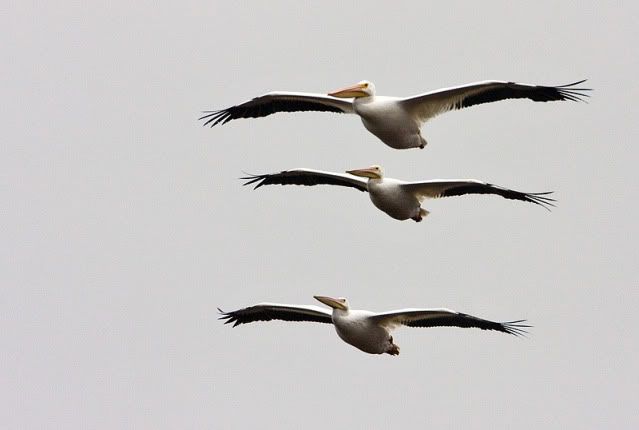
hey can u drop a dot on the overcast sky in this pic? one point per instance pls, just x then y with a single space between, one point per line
125 226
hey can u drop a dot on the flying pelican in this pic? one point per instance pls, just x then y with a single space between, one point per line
395 121
399 199
366 330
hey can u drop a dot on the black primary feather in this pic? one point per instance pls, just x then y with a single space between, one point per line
536 93
292 177
257 109
260 313
468 321
540 199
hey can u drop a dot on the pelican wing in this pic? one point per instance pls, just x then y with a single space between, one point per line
445 318
426 106
274 311
306 177
278 101
457 187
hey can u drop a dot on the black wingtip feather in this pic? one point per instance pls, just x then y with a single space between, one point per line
229 317
575 83
541 200
536 198
515 328
258 180
569 92
215 117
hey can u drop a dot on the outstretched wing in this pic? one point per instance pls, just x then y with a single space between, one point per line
274 311
445 318
457 187
279 101
306 177
426 106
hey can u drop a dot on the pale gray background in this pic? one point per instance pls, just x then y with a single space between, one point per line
124 224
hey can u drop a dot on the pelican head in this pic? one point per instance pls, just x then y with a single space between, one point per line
339 303
373 172
360 89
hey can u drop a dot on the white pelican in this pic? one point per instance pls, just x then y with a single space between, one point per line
395 121
366 330
399 199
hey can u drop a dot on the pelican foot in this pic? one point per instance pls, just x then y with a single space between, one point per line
417 218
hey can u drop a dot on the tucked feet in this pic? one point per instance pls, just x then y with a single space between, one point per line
420 216
393 349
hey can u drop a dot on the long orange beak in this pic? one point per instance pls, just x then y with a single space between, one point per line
348 92
331 302
368 172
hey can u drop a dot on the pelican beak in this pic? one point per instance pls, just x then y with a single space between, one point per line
348 92
368 172
331 302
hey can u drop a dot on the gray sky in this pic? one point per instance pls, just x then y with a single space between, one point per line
125 225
